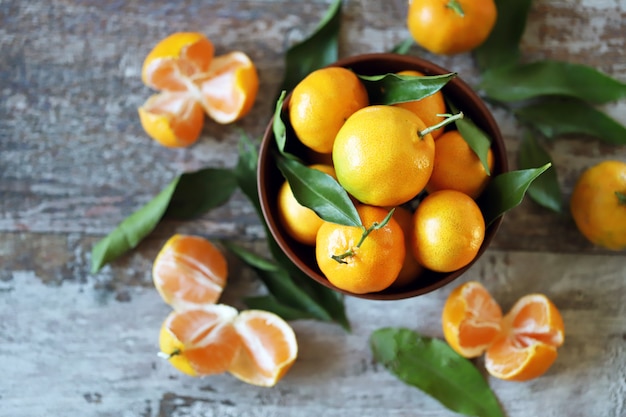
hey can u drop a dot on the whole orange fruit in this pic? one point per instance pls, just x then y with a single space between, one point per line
322 102
367 265
426 108
411 269
300 222
381 158
457 167
451 26
448 230
598 204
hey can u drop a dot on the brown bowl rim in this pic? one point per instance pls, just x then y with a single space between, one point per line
488 123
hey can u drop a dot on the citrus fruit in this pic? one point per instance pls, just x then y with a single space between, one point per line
361 265
427 108
300 222
448 230
192 81
202 341
450 26
411 269
471 319
598 204
527 346
380 157
322 102
268 348
457 167
189 271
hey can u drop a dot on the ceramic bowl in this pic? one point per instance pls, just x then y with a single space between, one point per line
270 178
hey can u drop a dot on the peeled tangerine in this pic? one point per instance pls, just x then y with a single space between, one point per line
192 81
257 347
521 346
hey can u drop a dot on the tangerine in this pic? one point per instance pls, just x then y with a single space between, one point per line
361 259
598 204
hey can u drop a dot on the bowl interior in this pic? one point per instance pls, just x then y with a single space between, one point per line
270 178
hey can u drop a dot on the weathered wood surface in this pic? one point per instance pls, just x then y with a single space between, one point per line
74 162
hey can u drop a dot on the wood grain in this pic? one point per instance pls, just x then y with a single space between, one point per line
74 162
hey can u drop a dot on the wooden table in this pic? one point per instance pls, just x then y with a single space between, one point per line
74 162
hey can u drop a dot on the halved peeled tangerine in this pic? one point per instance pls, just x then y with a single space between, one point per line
519 346
192 82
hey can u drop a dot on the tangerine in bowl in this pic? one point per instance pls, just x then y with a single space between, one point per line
396 206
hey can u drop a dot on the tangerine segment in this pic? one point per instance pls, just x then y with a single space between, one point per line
527 347
269 348
202 341
380 156
229 87
448 231
175 59
189 271
172 119
428 108
370 267
471 319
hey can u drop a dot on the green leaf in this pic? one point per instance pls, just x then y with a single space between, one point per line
476 138
545 190
246 170
132 230
551 78
316 51
271 304
188 195
200 191
506 191
433 367
555 117
319 191
278 126
393 88
502 47
403 47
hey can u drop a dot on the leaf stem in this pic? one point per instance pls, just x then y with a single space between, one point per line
164 355
456 6
449 118
375 226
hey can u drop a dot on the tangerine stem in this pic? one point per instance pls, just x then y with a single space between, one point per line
164 355
621 198
456 6
449 118
366 232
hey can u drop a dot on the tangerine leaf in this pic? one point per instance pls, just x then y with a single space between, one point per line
319 191
506 191
188 195
502 47
271 304
278 126
316 51
476 138
430 365
556 117
246 169
132 229
393 88
551 78
200 191
403 47
544 190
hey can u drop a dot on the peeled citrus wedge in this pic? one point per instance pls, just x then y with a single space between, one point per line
268 350
192 81
471 319
200 342
527 347
189 272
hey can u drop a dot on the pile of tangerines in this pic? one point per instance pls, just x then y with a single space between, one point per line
387 157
